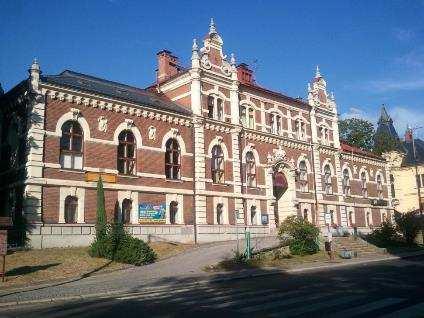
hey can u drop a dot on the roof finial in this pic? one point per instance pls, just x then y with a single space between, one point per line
194 47
332 96
317 73
212 28
233 59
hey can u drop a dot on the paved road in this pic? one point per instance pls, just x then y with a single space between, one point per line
182 268
385 289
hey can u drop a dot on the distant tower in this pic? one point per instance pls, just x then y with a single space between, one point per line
385 124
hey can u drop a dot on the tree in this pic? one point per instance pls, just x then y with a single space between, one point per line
101 211
357 132
383 142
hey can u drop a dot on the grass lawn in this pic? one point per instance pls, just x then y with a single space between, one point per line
36 266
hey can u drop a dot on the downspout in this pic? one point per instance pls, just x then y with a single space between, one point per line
194 180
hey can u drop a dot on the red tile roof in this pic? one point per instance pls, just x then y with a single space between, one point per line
352 149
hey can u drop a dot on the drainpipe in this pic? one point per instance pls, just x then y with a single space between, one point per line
315 186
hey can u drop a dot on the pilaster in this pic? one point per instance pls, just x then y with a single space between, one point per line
235 138
199 170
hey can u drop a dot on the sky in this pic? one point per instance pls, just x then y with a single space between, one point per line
370 52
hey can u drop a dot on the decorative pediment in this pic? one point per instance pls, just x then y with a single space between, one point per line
102 123
174 132
129 123
76 113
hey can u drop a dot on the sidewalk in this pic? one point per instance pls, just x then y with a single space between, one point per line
180 270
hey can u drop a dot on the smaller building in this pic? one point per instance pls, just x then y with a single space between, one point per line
406 165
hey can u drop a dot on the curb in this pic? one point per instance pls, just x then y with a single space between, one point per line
270 271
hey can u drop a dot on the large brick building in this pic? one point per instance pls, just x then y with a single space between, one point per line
202 143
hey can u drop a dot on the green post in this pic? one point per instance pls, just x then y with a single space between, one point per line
247 234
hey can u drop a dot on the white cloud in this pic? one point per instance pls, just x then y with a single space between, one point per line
413 59
403 35
357 112
390 85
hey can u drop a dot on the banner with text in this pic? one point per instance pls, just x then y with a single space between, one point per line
151 213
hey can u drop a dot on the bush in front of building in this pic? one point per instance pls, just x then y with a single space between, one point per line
113 242
385 235
300 235
118 245
409 225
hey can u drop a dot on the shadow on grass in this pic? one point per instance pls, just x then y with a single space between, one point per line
24 270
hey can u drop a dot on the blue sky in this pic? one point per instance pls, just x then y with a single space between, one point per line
370 52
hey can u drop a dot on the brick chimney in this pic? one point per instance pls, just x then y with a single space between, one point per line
168 66
408 135
245 74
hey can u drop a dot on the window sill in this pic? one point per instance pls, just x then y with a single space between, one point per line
129 176
174 180
72 170
220 184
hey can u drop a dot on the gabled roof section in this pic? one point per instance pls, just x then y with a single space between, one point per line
91 84
357 151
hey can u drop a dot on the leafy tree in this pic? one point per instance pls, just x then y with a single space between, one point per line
383 142
101 211
357 132
409 224
300 235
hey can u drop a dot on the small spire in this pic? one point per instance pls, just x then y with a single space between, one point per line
317 73
35 65
332 96
212 28
194 47
309 87
233 59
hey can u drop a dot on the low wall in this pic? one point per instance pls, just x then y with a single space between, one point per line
75 235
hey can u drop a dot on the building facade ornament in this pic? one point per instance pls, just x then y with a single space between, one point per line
103 123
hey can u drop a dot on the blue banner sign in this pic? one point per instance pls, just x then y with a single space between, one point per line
151 213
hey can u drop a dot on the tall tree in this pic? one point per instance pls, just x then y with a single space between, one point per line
101 211
383 142
357 132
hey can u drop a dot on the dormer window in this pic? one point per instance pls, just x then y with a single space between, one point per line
275 123
247 116
215 107
300 127
325 135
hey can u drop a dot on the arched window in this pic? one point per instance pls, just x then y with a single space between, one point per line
173 212
351 219
172 159
305 214
303 176
300 128
71 208
392 186
126 211
219 213
126 152
332 217
379 187
250 169
247 116
217 164
346 182
364 184
253 216
71 145
327 180
215 107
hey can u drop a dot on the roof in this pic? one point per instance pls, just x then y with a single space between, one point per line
409 153
352 149
120 91
385 124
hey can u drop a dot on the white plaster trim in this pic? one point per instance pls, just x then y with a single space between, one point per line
181 96
174 135
69 116
179 198
217 141
304 157
126 126
327 161
133 196
79 193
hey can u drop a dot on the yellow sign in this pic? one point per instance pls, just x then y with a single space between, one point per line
94 177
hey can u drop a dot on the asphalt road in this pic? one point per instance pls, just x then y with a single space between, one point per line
383 289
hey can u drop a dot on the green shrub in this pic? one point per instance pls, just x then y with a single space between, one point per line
384 236
118 245
300 235
409 224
